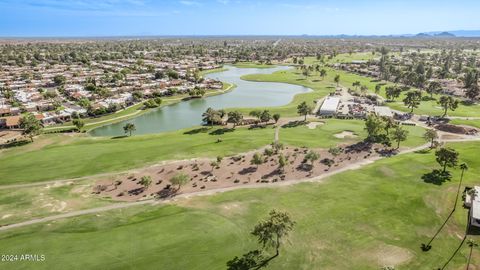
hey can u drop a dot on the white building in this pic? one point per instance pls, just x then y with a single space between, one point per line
472 200
329 106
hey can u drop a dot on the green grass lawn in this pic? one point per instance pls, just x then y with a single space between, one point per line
60 157
21 204
472 122
323 86
323 135
320 89
378 215
215 70
86 156
426 107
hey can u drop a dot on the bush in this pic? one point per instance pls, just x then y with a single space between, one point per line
268 152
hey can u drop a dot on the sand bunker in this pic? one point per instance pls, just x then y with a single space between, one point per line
313 125
345 134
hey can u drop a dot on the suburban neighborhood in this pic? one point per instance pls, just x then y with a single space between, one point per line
239 135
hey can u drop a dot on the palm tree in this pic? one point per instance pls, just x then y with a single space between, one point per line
356 84
129 128
210 116
323 73
337 79
463 167
471 243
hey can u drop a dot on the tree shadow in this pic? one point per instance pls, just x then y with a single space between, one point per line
293 124
359 147
247 170
221 131
14 144
424 151
197 130
454 253
136 191
256 127
306 167
468 103
428 246
248 261
167 192
251 260
119 137
387 152
273 173
437 177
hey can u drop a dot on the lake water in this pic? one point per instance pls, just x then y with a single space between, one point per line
189 113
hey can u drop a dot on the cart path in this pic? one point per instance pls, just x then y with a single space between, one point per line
318 179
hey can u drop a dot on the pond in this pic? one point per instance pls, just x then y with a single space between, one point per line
189 113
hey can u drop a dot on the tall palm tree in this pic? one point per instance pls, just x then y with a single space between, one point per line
471 243
323 73
129 128
463 167
209 116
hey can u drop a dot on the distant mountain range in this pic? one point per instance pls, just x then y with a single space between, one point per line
457 33
432 34
446 34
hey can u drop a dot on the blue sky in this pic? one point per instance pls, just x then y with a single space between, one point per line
233 17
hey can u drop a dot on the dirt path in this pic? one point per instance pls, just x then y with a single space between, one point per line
73 214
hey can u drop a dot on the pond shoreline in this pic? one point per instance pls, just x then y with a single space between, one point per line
185 114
